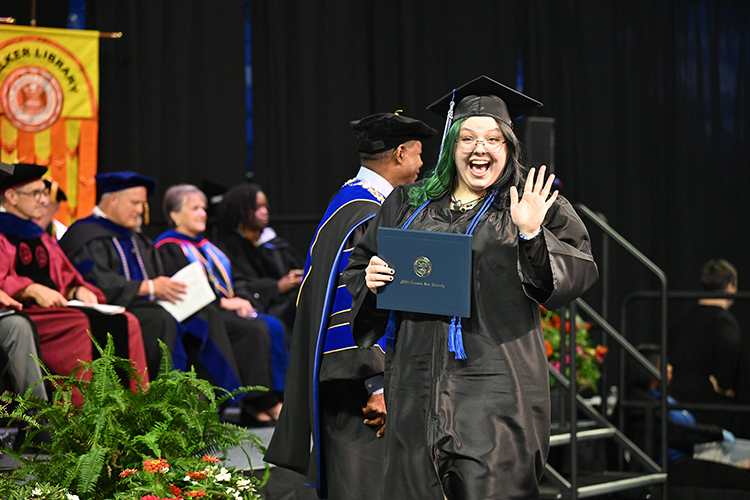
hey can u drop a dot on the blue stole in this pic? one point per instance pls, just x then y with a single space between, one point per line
214 261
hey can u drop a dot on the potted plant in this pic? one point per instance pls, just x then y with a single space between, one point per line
95 448
589 355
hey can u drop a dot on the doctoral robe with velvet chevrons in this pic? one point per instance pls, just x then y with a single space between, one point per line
327 372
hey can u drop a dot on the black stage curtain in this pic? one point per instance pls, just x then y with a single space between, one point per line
172 89
650 101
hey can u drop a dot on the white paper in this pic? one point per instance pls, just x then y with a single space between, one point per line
102 308
199 293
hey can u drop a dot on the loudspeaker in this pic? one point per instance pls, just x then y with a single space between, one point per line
539 139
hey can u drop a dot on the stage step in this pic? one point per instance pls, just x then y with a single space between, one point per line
602 483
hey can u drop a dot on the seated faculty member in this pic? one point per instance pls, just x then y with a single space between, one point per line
110 252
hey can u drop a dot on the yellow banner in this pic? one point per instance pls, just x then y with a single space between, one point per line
48 73
49 107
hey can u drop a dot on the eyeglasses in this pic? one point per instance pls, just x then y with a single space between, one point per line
37 195
467 144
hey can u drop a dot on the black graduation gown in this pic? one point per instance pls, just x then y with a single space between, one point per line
478 428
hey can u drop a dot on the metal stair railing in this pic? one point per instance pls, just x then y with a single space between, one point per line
657 475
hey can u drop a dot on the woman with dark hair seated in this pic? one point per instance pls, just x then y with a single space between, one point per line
266 269
258 340
683 432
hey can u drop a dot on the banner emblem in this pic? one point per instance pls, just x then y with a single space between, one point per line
32 98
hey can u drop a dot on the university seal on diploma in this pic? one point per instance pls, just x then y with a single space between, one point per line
432 272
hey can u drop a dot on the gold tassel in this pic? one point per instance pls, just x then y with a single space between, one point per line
146 214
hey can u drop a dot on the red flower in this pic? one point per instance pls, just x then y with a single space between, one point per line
175 490
195 494
197 476
209 458
549 348
150 497
602 350
156 465
128 472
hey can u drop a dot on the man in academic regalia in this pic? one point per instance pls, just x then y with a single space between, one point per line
35 272
110 251
334 390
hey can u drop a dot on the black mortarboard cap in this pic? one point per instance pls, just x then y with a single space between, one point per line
19 174
484 96
384 131
55 193
117 181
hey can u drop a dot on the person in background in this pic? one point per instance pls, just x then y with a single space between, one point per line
684 431
110 252
468 398
705 349
257 340
265 268
47 221
35 272
347 418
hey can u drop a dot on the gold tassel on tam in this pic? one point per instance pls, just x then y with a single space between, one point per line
146 214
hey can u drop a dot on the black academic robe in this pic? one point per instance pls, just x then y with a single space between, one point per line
476 428
350 453
88 243
257 270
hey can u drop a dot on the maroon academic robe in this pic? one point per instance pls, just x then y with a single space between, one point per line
63 331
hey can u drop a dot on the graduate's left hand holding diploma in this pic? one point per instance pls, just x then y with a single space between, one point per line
377 274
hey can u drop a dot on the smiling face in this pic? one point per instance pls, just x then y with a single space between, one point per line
191 219
125 207
28 201
479 169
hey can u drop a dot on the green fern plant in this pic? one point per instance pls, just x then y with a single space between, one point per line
175 418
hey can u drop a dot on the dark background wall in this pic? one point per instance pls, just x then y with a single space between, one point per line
650 100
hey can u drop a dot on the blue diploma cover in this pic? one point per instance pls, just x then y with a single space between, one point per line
433 272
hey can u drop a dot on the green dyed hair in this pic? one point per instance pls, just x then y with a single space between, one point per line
443 177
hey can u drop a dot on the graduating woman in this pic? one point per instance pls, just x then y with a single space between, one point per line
257 340
468 398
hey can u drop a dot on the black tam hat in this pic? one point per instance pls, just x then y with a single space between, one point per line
117 181
55 193
15 176
484 96
384 131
